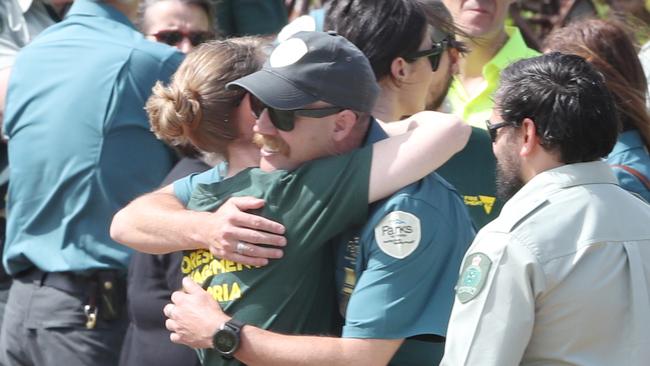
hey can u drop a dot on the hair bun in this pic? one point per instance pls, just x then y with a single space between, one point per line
173 113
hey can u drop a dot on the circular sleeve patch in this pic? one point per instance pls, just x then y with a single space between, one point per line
473 276
398 234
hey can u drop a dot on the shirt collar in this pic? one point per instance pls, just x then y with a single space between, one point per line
375 132
98 9
514 46
565 176
627 140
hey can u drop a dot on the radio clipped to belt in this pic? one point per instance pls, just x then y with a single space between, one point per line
106 299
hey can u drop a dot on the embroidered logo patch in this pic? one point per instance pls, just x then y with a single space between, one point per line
398 234
473 276
486 201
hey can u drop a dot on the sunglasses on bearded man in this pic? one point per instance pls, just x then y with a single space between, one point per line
493 127
284 120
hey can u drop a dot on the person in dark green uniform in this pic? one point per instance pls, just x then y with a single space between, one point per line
410 53
312 99
396 299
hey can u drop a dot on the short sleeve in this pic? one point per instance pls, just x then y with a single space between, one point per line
184 187
492 319
408 293
631 183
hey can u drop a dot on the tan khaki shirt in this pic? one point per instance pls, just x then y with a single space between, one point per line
561 277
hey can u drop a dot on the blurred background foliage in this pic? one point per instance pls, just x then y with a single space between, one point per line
537 18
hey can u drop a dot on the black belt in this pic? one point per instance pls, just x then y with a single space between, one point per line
102 291
71 282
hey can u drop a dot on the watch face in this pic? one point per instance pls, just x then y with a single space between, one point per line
225 341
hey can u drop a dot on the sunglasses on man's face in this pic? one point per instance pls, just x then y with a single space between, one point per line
174 37
434 54
492 128
284 120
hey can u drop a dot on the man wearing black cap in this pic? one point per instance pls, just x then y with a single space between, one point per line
312 99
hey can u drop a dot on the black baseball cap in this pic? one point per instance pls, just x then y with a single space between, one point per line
310 67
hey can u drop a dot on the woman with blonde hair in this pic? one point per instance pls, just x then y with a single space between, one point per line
611 49
197 104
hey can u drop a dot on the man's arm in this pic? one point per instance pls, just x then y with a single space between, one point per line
492 321
433 138
407 290
195 316
158 223
261 347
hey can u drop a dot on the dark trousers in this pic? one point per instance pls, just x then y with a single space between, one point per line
45 326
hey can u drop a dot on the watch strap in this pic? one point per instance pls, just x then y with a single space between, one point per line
235 325
232 327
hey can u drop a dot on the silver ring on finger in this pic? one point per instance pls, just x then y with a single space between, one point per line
242 247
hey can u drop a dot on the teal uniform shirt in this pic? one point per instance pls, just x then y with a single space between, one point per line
184 187
80 145
396 275
294 294
630 151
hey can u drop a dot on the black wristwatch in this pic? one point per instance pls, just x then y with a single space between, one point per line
226 339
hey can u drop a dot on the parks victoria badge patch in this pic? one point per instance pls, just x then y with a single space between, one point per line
473 276
398 234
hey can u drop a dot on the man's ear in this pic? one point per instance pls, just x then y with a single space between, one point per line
344 124
530 138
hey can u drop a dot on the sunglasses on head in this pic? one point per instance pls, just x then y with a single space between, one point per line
174 37
434 54
284 120
492 128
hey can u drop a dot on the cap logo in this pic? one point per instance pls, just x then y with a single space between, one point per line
288 52
304 23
